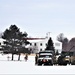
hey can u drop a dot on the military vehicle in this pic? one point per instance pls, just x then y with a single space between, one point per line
64 60
73 59
45 57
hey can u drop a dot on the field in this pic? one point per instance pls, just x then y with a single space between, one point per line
29 67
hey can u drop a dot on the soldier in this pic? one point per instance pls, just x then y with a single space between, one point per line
26 57
36 58
8 58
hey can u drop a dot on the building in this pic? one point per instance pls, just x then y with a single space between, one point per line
69 47
1 42
39 44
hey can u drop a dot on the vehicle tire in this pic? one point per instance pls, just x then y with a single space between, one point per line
39 64
60 61
72 63
65 64
46 64
51 64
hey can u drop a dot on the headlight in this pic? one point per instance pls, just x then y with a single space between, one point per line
47 59
66 59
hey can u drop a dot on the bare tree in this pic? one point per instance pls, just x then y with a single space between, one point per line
66 40
60 37
1 33
63 40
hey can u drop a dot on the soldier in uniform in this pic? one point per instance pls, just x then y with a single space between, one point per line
26 57
36 58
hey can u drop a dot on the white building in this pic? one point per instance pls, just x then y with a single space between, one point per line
39 44
1 43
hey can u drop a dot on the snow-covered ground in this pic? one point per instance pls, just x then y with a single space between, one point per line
29 67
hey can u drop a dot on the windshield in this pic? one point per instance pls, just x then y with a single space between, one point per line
45 53
46 56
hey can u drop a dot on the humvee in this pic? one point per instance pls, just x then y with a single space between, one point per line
45 58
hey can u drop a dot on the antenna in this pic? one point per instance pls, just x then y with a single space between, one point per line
48 34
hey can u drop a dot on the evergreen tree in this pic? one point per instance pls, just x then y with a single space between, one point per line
50 45
14 41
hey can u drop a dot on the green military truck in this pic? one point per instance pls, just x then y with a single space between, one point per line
73 59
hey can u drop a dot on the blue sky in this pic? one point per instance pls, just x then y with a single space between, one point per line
37 17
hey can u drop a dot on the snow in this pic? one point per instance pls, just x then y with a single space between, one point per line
29 67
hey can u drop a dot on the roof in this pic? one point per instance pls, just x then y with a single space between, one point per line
33 38
2 39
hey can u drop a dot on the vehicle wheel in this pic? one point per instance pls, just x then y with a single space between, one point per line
46 64
72 63
39 64
59 63
65 64
50 64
